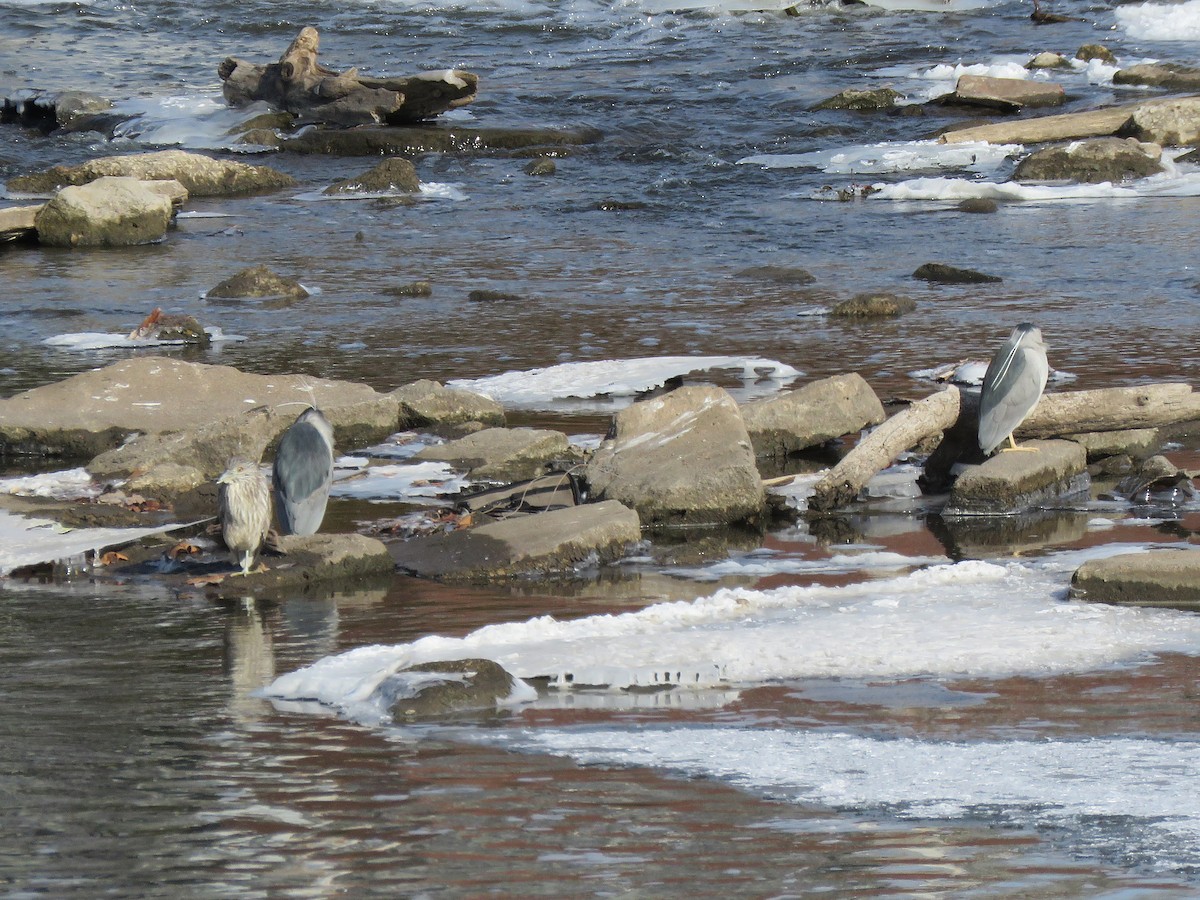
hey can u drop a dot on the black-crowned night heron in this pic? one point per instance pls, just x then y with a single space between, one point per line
302 473
1012 386
244 499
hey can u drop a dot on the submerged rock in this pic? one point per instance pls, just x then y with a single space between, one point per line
541 167
257 281
1169 578
1019 480
393 174
940 273
873 306
1092 161
558 541
793 275
411 289
503 454
201 175
1096 51
682 458
49 110
811 415
860 100
448 688
108 212
1158 481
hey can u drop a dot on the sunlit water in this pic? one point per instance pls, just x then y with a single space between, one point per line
959 731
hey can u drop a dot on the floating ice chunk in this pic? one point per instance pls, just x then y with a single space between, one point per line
99 340
623 378
761 565
70 484
971 618
1138 795
409 482
1160 21
29 542
909 156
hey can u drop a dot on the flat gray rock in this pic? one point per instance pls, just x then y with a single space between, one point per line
1135 442
1019 480
549 542
502 454
682 458
96 411
201 175
1156 578
428 402
1006 93
811 415
311 560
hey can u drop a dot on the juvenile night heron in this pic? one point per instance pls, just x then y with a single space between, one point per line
1012 386
244 499
302 473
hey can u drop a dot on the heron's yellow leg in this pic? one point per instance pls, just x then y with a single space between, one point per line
1012 445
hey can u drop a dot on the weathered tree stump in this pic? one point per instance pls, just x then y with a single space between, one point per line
314 93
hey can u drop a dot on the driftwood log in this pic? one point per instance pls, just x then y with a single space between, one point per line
874 453
313 93
1059 414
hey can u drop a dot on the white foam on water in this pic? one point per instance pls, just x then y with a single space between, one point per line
624 378
431 190
1172 183
978 619
906 156
1160 21
1147 790
194 121
416 481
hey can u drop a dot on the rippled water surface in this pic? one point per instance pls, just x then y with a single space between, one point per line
135 759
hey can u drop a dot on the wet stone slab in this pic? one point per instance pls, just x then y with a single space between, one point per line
316 561
1169 578
549 542
1013 481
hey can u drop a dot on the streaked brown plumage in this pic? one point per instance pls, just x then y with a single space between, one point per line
244 499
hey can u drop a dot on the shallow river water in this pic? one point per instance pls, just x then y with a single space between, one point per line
896 710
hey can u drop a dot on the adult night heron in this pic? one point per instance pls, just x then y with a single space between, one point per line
244 500
302 473
1012 386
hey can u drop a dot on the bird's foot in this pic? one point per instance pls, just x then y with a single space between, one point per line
1020 449
257 570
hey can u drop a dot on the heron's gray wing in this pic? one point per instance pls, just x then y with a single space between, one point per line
303 463
301 476
1012 386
